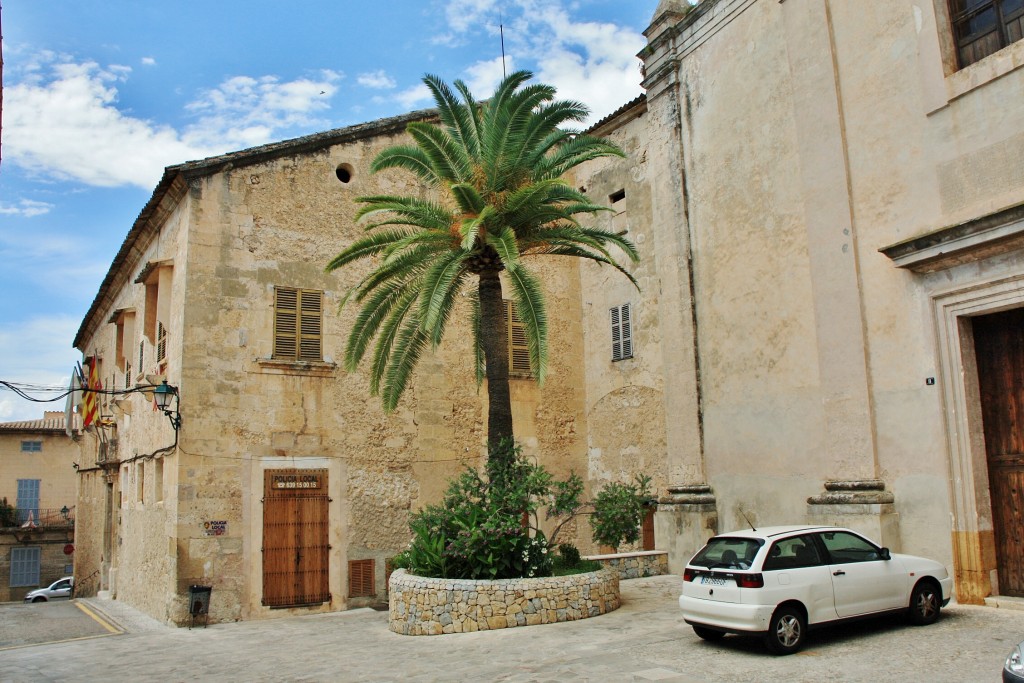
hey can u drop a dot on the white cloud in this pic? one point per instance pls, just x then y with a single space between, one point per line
62 121
35 351
592 62
415 97
25 207
148 61
378 80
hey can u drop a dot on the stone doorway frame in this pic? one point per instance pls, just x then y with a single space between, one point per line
974 557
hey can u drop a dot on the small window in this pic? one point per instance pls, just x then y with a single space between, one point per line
723 552
140 481
158 480
142 355
518 349
25 566
981 27
622 332
617 200
360 578
31 446
298 324
69 569
127 375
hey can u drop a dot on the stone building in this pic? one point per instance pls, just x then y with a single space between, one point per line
827 197
38 484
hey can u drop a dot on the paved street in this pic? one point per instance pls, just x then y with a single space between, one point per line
645 640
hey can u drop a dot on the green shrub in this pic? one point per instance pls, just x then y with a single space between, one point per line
619 511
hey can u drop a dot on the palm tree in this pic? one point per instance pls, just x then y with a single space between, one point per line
497 171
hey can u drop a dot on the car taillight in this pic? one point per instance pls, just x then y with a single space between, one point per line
689 574
750 580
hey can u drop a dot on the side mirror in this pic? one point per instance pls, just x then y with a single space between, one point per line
884 554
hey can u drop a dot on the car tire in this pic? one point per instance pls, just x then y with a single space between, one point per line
786 630
39 599
708 633
925 603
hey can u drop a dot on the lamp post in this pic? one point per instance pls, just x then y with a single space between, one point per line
163 394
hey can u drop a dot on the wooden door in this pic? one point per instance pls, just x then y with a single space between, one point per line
999 349
295 538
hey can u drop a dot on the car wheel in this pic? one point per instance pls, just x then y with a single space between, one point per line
39 599
708 633
786 631
925 603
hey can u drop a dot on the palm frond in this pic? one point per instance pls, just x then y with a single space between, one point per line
447 158
411 343
408 157
529 300
436 286
367 246
404 308
455 115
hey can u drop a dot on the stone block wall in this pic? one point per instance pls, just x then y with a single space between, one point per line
422 606
635 565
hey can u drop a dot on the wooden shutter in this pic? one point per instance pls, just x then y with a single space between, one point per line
647 529
360 578
622 332
161 342
518 349
298 324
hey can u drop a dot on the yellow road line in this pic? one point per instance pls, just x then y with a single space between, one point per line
55 642
98 619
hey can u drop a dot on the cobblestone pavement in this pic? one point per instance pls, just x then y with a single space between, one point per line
644 640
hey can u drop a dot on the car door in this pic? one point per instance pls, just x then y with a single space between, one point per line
61 589
794 570
862 582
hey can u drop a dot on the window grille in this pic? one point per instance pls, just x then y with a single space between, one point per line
142 355
298 324
622 332
981 27
31 446
25 566
128 376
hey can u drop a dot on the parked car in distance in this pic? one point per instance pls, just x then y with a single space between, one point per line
1013 669
59 589
778 581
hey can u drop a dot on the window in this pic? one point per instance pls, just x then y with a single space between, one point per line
140 480
725 552
622 333
28 500
360 578
845 547
124 335
158 480
793 553
981 27
518 349
31 446
25 566
298 323
617 200
127 375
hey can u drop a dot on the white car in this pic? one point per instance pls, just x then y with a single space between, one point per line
778 581
61 588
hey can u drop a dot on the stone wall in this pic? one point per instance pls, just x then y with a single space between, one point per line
635 565
421 606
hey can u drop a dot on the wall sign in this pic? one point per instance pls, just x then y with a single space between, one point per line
215 528
295 481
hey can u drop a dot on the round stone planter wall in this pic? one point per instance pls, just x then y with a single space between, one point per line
423 606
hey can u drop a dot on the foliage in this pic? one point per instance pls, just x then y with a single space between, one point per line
618 511
497 168
482 530
8 514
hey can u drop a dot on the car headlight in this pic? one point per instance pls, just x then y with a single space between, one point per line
1015 663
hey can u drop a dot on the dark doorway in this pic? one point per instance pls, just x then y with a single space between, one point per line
999 351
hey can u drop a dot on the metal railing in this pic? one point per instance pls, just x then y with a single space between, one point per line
42 518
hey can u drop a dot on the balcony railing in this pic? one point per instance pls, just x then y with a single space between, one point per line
42 518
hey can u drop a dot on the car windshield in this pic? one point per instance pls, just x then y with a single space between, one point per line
728 553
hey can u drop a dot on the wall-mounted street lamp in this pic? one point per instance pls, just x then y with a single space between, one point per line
163 394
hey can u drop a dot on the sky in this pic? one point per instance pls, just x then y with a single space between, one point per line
100 95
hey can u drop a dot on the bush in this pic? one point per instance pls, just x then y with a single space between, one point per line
482 528
619 511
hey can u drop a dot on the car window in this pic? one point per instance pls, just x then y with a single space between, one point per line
728 553
61 585
792 553
846 547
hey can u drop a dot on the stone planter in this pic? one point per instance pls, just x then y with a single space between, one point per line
421 606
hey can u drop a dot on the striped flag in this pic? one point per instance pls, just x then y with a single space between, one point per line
90 402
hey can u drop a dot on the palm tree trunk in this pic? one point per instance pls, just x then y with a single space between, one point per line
494 339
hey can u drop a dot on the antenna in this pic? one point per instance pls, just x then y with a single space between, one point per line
748 520
501 32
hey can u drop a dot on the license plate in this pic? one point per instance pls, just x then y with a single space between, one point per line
712 580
